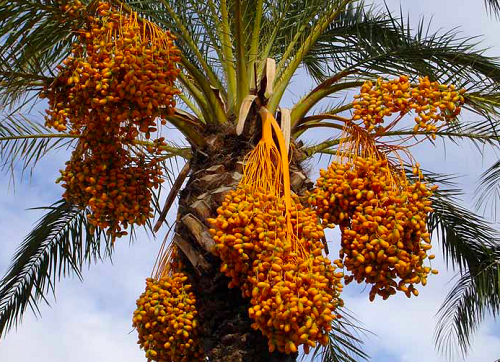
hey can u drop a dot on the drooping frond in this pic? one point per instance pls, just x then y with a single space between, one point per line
475 294
479 133
471 244
464 235
34 40
493 6
488 191
345 342
58 246
23 139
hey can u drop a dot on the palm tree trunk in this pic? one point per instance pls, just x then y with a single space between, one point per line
223 312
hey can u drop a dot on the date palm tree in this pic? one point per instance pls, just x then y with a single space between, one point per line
238 56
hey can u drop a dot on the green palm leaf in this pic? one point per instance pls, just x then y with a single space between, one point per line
464 235
493 6
23 139
475 294
58 246
479 133
471 244
34 40
488 191
345 342
376 42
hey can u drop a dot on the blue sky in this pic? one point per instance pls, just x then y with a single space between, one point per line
91 321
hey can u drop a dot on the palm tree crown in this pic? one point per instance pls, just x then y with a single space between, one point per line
235 61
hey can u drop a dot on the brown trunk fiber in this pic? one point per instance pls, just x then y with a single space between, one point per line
223 312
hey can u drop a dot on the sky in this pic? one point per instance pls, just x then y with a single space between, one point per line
91 321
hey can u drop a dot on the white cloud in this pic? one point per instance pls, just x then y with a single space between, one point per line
76 329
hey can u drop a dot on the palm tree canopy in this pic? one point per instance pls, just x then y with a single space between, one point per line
233 49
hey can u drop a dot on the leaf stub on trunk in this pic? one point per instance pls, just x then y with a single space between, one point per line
199 231
197 261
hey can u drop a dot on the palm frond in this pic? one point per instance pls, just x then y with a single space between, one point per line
377 43
475 294
60 244
296 23
484 102
479 133
493 6
319 24
25 140
374 43
471 243
464 235
34 40
345 343
487 192
485 131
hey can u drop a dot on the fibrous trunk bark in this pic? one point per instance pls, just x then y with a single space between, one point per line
223 313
